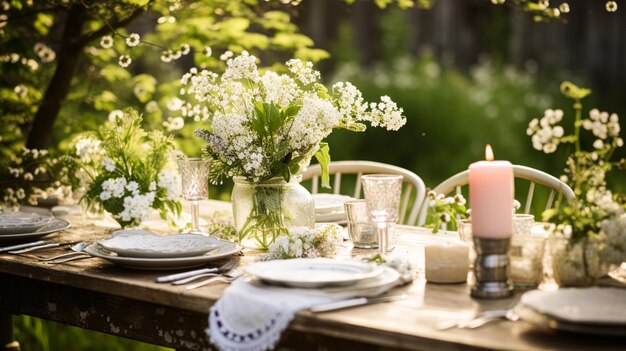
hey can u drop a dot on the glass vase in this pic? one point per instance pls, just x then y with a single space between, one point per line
577 264
264 211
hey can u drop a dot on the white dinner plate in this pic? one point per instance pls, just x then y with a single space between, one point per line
330 203
313 273
148 245
373 286
21 222
580 305
55 225
329 207
225 249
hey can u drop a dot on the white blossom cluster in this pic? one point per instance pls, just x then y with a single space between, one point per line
604 127
305 243
614 230
30 185
545 132
170 181
16 58
45 53
228 101
138 205
88 149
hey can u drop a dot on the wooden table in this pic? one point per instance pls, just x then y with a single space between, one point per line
95 294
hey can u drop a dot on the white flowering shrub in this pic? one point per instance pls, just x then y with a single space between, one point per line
597 212
121 169
33 176
305 243
263 125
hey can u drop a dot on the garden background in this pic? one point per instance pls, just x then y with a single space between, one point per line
467 73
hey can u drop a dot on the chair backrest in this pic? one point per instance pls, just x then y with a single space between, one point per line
411 180
534 176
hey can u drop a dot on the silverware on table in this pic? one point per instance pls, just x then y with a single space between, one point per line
478 320
39 247
21 246
361 301
77 250
224 278
178 276
68 259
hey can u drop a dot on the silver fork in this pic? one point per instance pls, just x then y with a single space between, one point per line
224 278
179 276
478 320
77 250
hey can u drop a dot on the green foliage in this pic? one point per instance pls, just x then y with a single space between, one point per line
121 150
38 334
444 211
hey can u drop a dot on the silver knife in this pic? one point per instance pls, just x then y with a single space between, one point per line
21 246
177 276
355 302
33 248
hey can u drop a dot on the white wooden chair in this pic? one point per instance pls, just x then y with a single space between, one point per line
534 176
411 180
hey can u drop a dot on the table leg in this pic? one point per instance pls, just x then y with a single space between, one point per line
7 342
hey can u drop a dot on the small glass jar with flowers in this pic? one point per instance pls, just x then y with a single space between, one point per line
589 234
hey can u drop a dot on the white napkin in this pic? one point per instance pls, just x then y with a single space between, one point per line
251 317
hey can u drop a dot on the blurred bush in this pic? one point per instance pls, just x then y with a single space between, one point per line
41 335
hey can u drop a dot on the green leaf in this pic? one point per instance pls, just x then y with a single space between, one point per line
323 157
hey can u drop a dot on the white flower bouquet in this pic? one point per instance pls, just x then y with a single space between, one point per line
264 125
121 169
597 215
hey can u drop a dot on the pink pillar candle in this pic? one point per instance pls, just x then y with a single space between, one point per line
491 197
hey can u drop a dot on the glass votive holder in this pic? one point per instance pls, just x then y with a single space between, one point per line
361 231
526 253
464 227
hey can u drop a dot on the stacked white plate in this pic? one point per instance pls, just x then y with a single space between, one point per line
329 208
25 226
140 249
584 310
368 279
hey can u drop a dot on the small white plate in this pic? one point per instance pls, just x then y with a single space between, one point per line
148 245
330 203
55 225
313 273
580 305
22 222
225 249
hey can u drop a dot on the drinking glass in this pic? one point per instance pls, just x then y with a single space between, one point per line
195 180
360 229
382 194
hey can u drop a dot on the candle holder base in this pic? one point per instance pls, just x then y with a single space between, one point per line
491 269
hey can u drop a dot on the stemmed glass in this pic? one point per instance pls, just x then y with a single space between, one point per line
382 194
195 180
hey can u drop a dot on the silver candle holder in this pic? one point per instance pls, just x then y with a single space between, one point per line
491 269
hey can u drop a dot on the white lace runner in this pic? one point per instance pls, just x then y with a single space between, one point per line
249 317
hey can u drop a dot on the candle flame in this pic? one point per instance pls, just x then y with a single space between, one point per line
488 153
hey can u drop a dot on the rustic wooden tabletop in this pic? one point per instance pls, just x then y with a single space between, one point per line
98 295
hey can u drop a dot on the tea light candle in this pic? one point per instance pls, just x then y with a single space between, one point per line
446 261
491 197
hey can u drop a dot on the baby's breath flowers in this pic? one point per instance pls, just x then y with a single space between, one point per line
305 243
123 170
